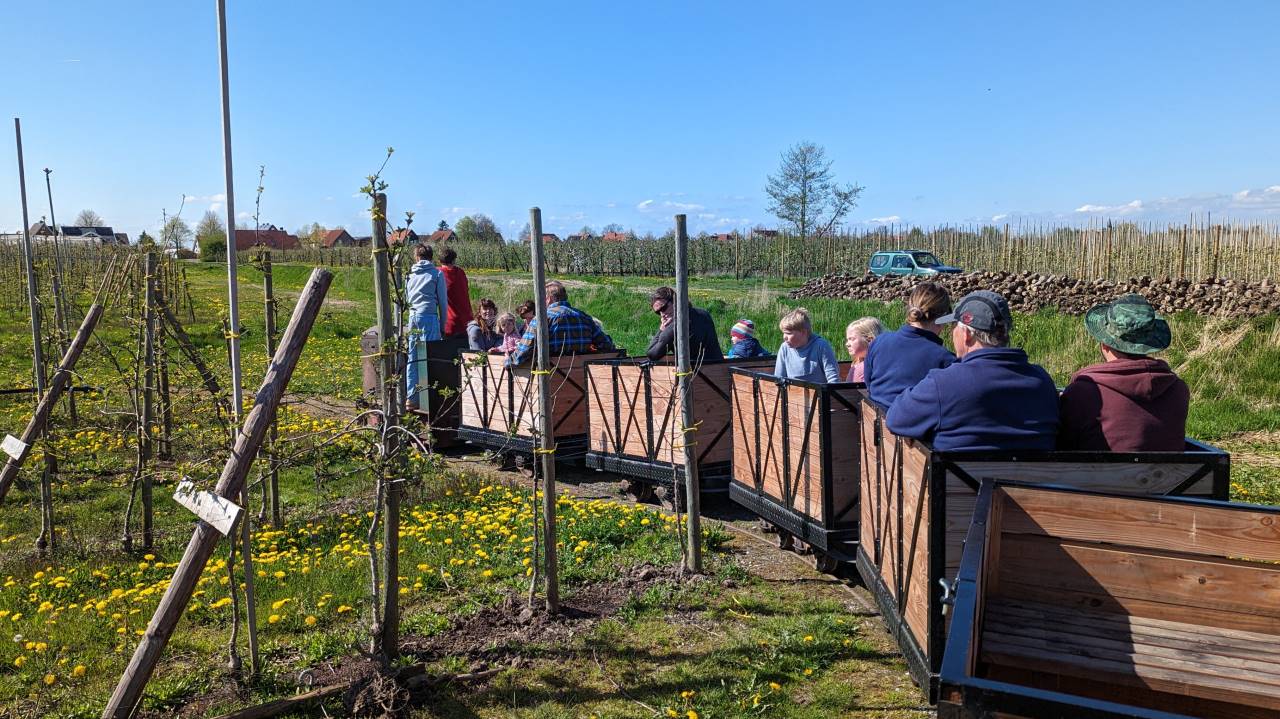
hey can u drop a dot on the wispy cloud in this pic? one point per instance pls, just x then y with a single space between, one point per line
886 220
645 205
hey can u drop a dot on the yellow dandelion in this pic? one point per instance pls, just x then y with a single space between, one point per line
310 621
49 679
78 671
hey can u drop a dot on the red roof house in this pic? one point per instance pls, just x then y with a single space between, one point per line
440 237
339 238
271 237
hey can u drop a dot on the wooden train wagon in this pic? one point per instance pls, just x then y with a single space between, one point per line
441 376
500 403
634 422
796 460
917 504
1081 604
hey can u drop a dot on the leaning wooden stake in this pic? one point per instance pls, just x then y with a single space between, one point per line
61 379
545 450
684 370
204 540
273 471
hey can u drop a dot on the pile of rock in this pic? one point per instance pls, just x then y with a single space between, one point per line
1031 291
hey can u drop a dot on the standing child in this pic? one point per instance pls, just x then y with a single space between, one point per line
510 331
857 339
745 344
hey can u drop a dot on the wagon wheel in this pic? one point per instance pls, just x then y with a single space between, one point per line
641 492
672 499
785 539
824 562
522 464
768 527
802 547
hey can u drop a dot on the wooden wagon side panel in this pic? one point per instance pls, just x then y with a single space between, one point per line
1135 478
804 418
915 540
484 388
773 478
890 471
712 400
845 454
617 409
747 439
871 510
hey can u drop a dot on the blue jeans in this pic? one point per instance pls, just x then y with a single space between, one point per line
422 328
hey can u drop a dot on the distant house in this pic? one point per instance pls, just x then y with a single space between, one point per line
612 236
763 234
547 237
40 229
725 237
577 238
122 238
270 237
339 238
364 240
94 235
400 237
441 237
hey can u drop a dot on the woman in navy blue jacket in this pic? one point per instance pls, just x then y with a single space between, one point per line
898 360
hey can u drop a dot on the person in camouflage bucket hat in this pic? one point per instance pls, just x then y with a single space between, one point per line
1132 402
1129 324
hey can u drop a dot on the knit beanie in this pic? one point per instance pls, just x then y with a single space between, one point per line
743 329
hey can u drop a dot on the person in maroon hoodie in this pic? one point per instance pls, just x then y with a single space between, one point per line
1131 402
455 280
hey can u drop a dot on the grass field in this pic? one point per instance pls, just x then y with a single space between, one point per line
747 643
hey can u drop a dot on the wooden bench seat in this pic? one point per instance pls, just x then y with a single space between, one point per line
1173 658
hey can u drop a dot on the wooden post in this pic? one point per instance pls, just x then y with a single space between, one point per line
387 636
1182 254
148 385
545 451
204 539
273 472
162 364
59 299
692 487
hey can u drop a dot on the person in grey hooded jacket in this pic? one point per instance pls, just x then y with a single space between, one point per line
426 292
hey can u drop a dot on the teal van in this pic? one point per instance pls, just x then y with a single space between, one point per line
909 262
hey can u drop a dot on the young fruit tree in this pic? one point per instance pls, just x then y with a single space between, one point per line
804 193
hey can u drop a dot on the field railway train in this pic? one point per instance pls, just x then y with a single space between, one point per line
1017 584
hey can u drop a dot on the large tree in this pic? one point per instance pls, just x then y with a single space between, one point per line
804 193
477 228
89 218
210 228
176 233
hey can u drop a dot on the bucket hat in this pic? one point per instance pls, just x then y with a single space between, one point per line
1128 324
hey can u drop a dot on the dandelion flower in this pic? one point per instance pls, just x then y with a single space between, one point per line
273 619
310 621
49 679
19 661
343 609
78 671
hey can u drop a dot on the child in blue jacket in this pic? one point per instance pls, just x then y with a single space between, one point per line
745 344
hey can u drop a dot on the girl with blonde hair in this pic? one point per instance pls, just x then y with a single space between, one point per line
857 340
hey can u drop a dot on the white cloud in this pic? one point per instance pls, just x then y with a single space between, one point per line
645 206
706 216
997 218
215 207
1128 208
886 220
611 205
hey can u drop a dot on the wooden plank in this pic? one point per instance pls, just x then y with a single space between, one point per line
915 540
1174 526
1196 637
1217 585
1096 476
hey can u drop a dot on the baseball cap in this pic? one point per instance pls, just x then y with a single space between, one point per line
982 310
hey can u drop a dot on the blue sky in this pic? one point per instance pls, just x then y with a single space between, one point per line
630 112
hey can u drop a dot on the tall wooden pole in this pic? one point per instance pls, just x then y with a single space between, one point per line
128 692
388 347
692 485
233 319
273 472
59 300
148 393
546 432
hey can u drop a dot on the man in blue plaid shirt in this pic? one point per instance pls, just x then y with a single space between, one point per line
572 330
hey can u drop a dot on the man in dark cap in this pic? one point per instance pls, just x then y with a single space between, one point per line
1132 402
993 398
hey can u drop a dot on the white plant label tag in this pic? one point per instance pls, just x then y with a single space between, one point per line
220 513
13 446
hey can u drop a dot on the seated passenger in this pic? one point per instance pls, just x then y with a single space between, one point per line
898 360
482 335
803 354
991 399
704 345
857 339
570 330
745 344
1131 402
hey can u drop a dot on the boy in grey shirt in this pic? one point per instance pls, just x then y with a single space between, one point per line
803 354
